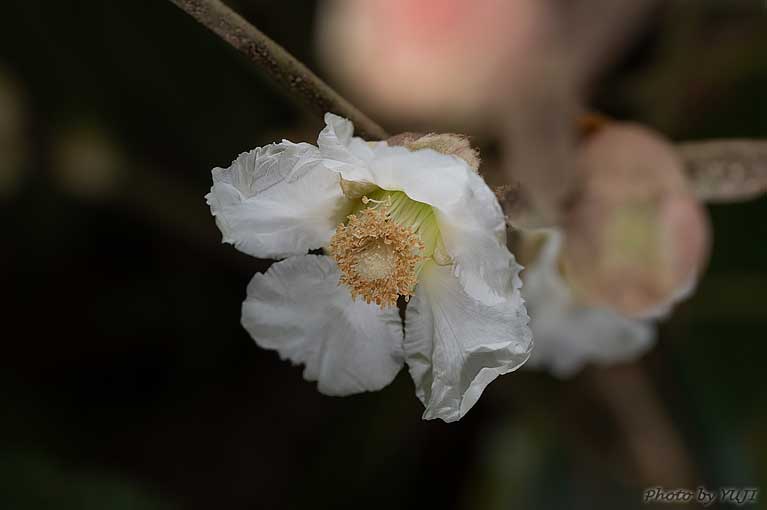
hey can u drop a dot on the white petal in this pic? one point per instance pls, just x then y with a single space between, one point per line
455 345
277 201
474 233
470 218
425 175
342 151
298 309
569 335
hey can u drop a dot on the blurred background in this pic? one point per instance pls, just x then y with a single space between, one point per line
126 381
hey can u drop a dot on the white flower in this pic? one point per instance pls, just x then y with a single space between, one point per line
568 335
395 222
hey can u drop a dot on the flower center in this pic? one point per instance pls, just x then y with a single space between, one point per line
377 261
381 248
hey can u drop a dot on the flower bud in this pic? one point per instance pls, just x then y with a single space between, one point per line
429 58
445 143
636 235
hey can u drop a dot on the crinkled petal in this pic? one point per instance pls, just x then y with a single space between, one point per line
277 201
468 213
299 309
456 345
343 152
569 335
474 233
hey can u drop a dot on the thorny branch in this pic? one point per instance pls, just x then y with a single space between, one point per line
280 65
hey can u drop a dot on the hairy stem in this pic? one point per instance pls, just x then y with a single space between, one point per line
726 170
281 66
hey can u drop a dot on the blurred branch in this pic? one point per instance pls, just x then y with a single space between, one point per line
658 452
539 132
280 65
720 171
726 170
538 122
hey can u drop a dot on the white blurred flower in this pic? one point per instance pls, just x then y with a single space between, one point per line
568 335
395 222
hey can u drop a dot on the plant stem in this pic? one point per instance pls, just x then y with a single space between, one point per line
719 170
652 441
726 170
280 65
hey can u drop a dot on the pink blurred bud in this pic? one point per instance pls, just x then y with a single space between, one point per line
429 58
636 235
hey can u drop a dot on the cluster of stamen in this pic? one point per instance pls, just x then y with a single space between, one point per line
377 257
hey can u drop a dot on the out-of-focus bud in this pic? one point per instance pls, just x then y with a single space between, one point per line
445 143
636 235
430 59
87 162
13 143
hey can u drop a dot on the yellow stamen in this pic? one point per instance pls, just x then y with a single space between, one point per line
378 257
